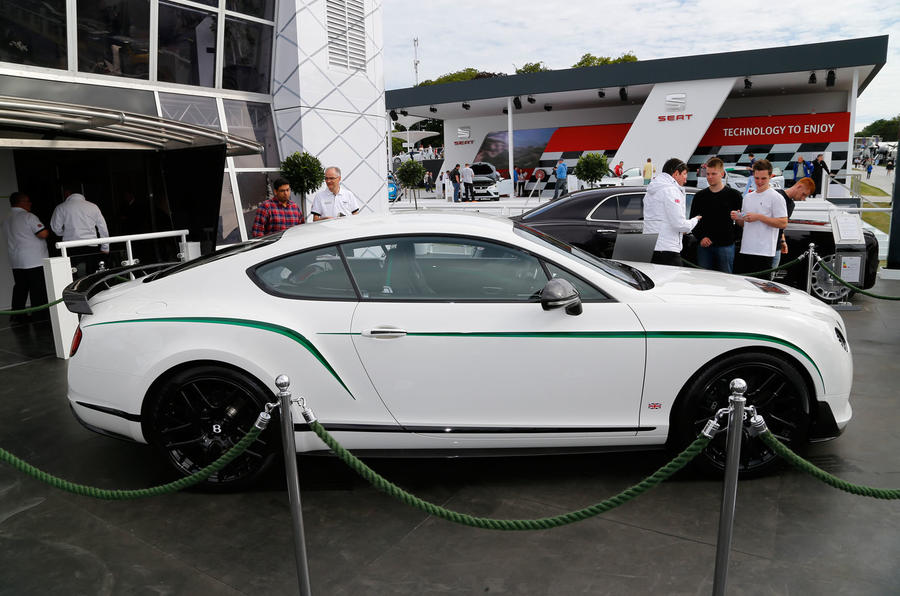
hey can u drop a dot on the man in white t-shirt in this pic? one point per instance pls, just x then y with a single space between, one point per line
763 213
26 241
333 201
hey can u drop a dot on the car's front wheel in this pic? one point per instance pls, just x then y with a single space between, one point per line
774 387
198 414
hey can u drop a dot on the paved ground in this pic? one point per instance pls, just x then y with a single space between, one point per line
793 535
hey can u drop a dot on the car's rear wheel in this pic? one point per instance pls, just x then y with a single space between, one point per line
200 413
774 387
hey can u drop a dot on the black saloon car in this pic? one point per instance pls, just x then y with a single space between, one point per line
592 219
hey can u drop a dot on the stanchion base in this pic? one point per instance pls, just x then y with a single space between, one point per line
845 306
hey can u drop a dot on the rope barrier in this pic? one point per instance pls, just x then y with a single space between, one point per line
798 462
851 286
488 523
766 271
32 309
121 495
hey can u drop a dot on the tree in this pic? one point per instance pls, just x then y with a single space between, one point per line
589 59
530 67
410 174
396 146
466 74
304 173
886 129
592 167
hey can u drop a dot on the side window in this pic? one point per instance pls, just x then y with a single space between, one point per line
585 290
605 211
443 269
631 207
317 273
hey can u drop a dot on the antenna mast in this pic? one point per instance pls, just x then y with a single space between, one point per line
416 58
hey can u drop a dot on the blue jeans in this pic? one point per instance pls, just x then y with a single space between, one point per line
717 258
560 188
456 192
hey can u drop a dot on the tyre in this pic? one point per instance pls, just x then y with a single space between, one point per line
774 387
199 413
824 286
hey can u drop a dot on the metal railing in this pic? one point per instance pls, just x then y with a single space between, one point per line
63 246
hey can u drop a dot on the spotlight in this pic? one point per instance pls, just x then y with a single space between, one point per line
531 99
623 93
548 107
601 94
404 113
393 115
466 106
829 79
432 109
517 102
505 111
812 78
747 83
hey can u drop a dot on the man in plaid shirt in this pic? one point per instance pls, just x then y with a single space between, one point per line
278 213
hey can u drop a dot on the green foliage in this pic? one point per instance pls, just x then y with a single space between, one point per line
592 167
410 173
396 146
530 67
303 172
886 129
467 74
591 60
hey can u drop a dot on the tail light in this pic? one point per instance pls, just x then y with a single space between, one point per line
76 341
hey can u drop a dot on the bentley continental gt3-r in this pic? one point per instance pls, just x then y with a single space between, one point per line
445 333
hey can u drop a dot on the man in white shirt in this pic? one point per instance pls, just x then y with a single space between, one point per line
333 201
664 208
26 241
763 213
76 218
468 179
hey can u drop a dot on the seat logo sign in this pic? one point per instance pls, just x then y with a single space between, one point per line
675 102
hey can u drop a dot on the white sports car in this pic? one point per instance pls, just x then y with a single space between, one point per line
446 333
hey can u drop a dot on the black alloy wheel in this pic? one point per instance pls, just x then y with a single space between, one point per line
200 413
774 387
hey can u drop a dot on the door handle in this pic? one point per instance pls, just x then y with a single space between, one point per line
384 332
606 231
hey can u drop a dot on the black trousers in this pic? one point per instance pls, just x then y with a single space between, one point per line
28 282
751 263
665 257
470 190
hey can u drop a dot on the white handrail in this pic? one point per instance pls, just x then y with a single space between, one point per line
126 239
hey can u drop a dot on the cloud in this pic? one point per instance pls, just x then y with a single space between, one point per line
497 37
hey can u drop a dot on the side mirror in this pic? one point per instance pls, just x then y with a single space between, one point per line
560 293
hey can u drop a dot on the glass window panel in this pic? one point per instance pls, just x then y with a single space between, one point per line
187 45
585 290
317 273
631 207
114 37
264 9
253 121
254 188
605 211
33 32
248 56
191 109
436 268
228 231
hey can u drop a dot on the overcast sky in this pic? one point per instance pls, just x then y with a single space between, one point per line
494 36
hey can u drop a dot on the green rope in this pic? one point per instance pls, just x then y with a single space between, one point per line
798 462
487 523
785 266
851 286
32 309
121 495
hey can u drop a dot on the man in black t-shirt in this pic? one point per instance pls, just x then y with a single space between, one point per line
716 230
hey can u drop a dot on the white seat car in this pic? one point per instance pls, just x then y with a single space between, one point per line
629 177
445 333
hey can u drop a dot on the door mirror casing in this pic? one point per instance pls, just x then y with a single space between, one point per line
560 293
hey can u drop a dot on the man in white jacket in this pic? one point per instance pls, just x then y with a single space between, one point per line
664 209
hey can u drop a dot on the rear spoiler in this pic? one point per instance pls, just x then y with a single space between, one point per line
77 294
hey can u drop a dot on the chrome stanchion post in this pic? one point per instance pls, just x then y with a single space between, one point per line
293 482
729 492
811 260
